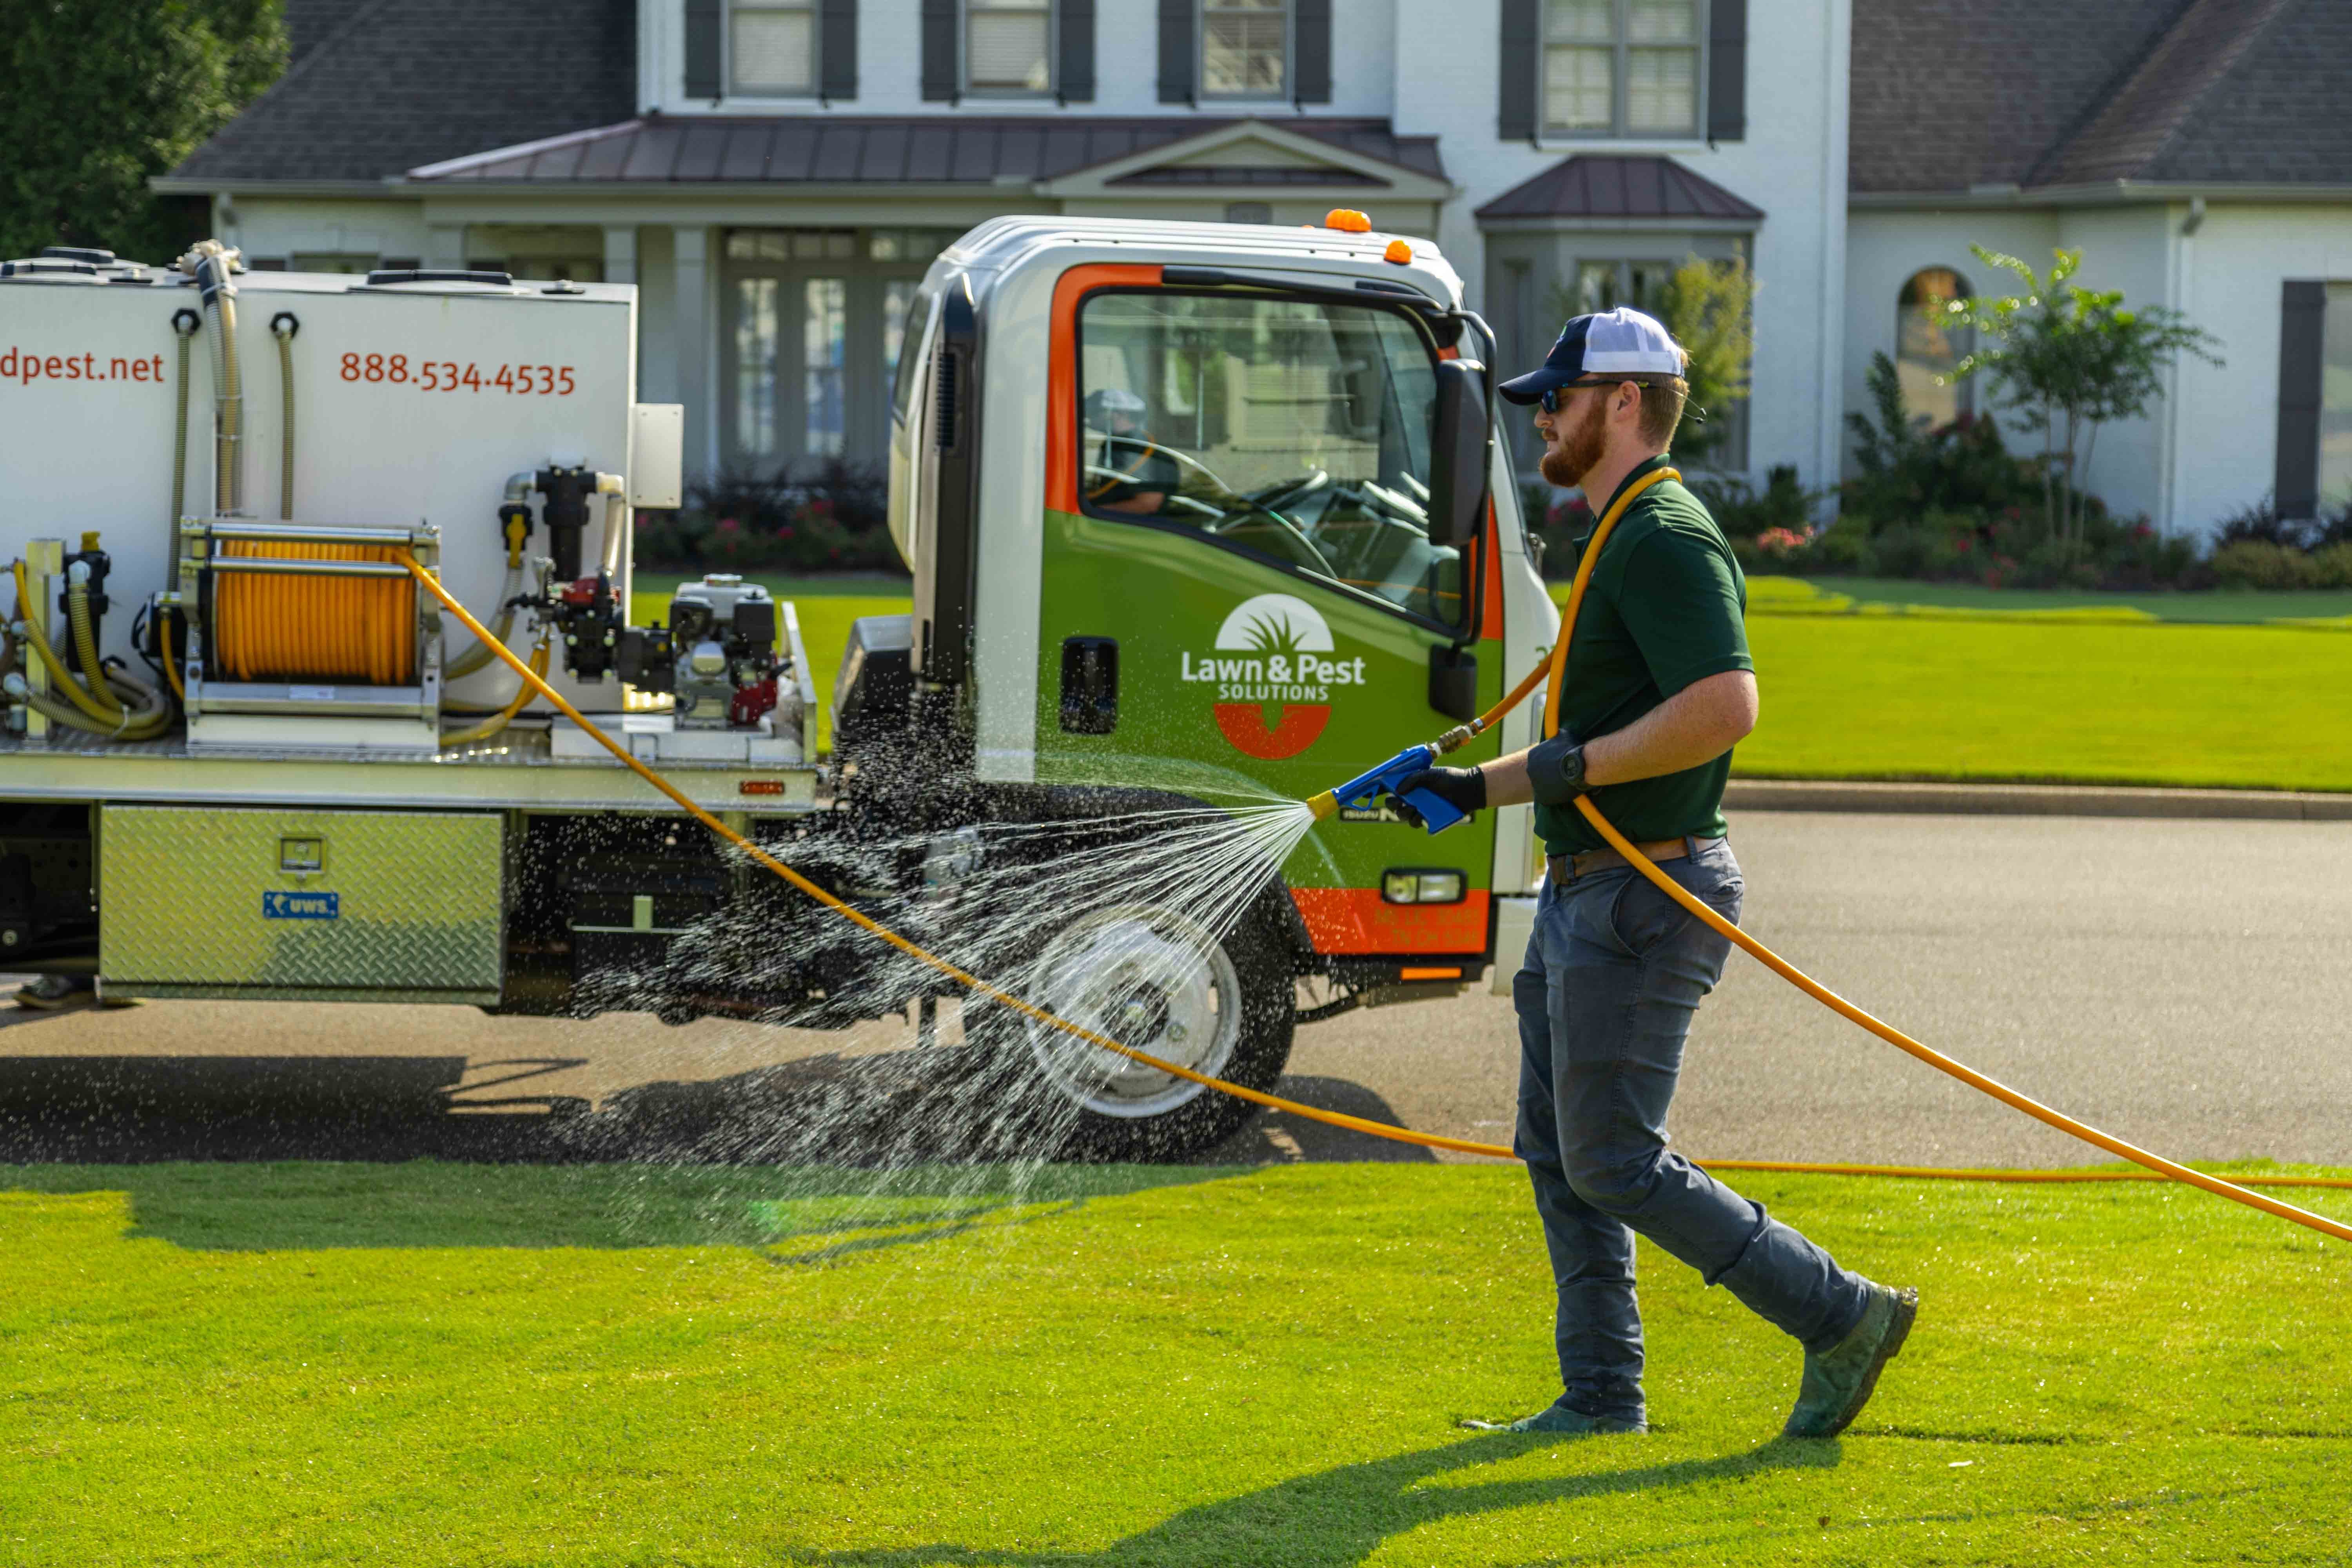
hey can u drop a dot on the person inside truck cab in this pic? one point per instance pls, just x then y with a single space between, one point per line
1132 475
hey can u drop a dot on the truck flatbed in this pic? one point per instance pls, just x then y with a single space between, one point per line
514 771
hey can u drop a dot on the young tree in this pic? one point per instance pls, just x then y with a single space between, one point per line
2070 359
1711 308
108 93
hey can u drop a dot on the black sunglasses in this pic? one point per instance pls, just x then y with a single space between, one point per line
1551 399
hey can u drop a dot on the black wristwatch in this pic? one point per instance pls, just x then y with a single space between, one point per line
1556 769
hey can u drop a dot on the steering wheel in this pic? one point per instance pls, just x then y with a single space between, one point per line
1182 459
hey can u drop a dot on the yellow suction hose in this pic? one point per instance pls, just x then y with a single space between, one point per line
2163 1168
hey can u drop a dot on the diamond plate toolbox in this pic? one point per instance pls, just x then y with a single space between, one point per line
331 905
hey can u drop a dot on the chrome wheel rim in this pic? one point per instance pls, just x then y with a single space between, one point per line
1151 979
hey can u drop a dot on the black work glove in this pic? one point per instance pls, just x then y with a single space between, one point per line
1556 769
1464 789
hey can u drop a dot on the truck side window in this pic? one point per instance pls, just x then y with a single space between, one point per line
1289 429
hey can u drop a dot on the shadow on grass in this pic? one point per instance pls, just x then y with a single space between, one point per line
1340 1516
799 1215
884 1110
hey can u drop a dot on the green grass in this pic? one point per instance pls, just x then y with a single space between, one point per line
826 605
1866 697
2105 695
1798 595
366 1364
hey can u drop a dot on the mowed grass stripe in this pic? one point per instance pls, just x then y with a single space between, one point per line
368 1363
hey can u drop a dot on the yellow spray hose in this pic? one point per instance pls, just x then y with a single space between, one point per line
1275 1102
961 976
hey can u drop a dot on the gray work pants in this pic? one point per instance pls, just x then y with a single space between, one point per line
1612 976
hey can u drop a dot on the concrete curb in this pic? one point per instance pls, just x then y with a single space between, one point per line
2033 800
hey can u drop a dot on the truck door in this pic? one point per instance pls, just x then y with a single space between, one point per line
1240 597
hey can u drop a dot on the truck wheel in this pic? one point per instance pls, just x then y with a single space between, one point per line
1159 980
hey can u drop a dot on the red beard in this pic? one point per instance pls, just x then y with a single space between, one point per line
1579 450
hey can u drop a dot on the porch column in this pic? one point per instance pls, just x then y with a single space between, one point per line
694 333
621 254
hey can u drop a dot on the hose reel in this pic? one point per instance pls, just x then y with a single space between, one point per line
291 617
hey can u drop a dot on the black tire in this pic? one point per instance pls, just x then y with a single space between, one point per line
1141 1114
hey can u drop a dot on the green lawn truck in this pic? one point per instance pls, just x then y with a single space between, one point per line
1197 514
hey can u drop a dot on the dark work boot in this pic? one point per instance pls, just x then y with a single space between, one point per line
1564 1421
1838 1381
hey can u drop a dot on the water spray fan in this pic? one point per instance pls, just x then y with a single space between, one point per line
1364 791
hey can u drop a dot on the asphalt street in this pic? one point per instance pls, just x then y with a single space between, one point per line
2184 984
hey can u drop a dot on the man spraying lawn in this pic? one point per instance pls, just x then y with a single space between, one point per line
1658 686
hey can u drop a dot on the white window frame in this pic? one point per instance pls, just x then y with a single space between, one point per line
965 85
1617 130
735 88
1201 57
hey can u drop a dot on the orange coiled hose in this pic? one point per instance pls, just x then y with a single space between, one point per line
270 626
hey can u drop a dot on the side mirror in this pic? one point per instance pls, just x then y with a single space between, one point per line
1457 453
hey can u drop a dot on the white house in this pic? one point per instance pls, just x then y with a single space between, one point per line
775 173
2196 152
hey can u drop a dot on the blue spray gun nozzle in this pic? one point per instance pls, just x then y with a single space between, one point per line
1364 791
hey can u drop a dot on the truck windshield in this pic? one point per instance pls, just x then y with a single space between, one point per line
1288 428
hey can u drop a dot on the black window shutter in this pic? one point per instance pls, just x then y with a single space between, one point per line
2303 320
939 70
1521 64
838 39
1726 71
702 49
1176 51
1075 66
1310 71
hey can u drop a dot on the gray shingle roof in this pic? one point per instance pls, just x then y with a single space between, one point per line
2282 116
309 23
403 82
1609 187
833 149
1948 95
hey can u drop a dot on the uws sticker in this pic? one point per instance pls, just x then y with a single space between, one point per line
1273 675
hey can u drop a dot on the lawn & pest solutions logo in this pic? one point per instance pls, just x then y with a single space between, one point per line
1273 675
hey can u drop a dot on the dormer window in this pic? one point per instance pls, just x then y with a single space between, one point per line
1008 47
772 49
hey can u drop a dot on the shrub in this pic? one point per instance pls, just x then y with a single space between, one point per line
2260 563
1744 513
1908 467
742 520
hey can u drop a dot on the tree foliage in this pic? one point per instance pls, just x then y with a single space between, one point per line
1711 308
2069 359
105 94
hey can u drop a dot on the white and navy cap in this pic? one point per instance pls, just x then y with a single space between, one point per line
1618 342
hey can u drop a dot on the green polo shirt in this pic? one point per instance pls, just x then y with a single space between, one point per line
1665 607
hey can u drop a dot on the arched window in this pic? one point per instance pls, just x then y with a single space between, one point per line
1925 349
